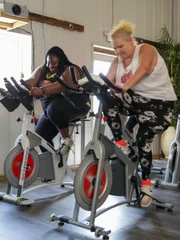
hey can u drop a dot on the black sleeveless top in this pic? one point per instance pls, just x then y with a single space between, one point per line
45 80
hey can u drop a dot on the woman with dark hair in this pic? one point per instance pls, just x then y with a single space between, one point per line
58 112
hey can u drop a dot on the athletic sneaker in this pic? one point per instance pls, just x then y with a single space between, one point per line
146 192
66 145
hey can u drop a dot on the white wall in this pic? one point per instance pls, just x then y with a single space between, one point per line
96 15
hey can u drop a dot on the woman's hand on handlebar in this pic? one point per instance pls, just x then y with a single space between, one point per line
121 86
7 94
36 92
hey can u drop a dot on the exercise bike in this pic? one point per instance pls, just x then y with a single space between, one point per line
26 162
172 174
104 170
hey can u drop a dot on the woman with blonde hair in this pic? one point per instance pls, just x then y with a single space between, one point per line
141 73
147 93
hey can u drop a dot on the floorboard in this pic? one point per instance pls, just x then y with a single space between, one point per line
125 222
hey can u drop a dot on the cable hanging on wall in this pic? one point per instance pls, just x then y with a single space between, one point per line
33 47
107 31
43 29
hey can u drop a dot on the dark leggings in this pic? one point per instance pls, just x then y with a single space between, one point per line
58 114
153 117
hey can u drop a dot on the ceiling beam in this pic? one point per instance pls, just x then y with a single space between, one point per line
8 22
104 51
13 17
6 25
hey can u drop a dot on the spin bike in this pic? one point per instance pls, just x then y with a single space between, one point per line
104 170
26 162
172 174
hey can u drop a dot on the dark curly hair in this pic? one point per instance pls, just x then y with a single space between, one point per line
63 60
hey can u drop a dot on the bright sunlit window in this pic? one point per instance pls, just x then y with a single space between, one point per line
101 67
15 57
101 64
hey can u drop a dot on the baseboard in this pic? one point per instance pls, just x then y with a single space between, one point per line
2 177
157 156
74 167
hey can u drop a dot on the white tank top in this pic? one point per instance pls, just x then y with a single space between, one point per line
156 85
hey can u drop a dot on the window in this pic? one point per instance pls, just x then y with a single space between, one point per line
101 64
15 57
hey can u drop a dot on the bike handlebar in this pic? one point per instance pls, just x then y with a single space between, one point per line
13 91
103 77
88 75
19 93
59 80
25 84
16 84
109 83
23 95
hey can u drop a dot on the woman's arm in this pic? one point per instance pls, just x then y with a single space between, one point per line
34 76
111 75
147 62
55 88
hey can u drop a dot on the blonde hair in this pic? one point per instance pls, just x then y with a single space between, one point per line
124 29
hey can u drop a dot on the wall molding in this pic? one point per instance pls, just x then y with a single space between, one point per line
56 22
2 177
103 50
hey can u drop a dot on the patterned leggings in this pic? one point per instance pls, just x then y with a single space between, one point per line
153 117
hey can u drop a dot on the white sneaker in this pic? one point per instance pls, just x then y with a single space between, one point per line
146 190
66 145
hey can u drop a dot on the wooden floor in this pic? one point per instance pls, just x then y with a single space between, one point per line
126 223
